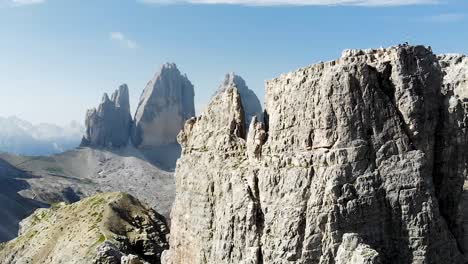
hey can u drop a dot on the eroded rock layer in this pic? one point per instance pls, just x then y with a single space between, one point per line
346 168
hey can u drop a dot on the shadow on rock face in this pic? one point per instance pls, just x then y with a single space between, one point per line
70 195
14 207
164 157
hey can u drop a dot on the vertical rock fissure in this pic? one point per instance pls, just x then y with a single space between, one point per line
303 224
260 218
266 122
388 88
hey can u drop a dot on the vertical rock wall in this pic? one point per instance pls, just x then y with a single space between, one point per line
451 163
346 168
109 125
165 104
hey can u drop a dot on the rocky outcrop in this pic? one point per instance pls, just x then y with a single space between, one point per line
165 105
109 125
250 102
345 169
104 229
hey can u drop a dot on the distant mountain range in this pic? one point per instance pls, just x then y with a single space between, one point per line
22 137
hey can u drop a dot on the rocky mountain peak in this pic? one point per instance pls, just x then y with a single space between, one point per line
361 160
232 79
224 117
121 97
105 99
109 125
250 102
165 104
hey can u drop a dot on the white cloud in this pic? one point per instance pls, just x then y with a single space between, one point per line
13 3
121 38
299 2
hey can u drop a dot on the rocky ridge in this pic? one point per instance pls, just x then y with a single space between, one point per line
107 228
359 160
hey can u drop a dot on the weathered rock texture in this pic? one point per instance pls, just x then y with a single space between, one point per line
165 105
103 229
250 102
109 125
452 146
348 168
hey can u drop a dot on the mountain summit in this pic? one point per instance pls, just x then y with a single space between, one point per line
109 125
361 160
251 104
165 104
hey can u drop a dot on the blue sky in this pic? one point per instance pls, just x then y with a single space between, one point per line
57 57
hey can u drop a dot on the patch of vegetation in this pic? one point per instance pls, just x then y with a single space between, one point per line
35 220
31 234
44 215
97 216
96 201
21 240
56 205
55 170
101 240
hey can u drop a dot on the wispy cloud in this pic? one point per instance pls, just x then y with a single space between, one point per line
299 2
121 38
13 3
445 18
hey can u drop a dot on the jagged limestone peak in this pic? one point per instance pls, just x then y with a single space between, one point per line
165 104
360 160
251 104
110 124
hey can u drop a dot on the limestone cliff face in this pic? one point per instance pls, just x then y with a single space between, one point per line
109 125
250 102
451 164
346 168
108 228
165 104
